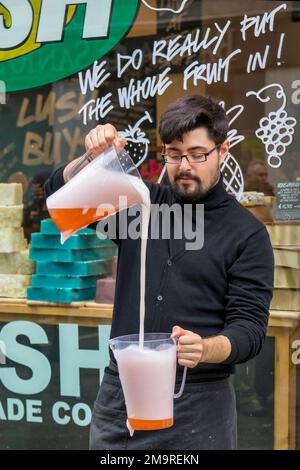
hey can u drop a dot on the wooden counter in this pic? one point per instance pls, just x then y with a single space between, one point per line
283 325
81 313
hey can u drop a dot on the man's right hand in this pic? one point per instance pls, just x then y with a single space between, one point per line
101 138
97 141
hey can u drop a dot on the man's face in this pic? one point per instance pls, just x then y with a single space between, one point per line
190 181
259 173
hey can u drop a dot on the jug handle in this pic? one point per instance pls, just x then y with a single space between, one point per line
86 157
178 395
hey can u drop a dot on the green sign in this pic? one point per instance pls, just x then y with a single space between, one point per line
42 41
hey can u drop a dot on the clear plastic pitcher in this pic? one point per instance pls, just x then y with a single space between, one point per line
94 193
148 377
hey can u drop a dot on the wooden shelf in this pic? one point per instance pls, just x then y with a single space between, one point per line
83 313
93 313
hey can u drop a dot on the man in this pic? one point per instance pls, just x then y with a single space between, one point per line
256 178
215 299
37 210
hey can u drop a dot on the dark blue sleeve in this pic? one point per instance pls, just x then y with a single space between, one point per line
54 182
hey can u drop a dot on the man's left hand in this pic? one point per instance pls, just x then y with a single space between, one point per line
190 347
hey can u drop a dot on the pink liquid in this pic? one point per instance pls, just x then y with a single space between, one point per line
148 377
88 198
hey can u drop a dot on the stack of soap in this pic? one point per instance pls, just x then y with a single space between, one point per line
285 239
15 266
69 272
105 292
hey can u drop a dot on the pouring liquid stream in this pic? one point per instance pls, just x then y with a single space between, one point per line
144 237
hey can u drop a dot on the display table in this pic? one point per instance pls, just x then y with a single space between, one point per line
283 325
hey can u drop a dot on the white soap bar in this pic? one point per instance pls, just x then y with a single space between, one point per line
16 263
12 239
14 285
11 216
11 194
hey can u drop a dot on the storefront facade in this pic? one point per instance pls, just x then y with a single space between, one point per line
61 74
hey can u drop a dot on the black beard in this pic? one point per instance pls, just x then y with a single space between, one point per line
183 194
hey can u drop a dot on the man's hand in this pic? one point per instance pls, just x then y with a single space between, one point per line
193 349
189 348
97 141
101 138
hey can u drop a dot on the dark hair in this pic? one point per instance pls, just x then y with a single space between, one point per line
191 112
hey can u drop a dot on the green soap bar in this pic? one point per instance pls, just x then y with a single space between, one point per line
48 227
69 256
60 295
81 241
74 282
87 268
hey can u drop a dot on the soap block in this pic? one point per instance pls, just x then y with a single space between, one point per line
11 194
75 242
48 227
70 256
16 263
11 216
12 239
73 282
65 295
14 285
87 268
105 292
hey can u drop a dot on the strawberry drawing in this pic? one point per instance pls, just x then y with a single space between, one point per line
137 142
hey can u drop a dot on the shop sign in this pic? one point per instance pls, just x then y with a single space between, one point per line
42 41
24 396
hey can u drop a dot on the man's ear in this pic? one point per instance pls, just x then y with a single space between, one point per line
224 150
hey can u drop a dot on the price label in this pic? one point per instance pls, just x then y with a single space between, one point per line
288 200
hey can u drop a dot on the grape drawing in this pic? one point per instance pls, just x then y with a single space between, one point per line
276 129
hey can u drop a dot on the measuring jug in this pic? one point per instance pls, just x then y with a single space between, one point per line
94 193
148 375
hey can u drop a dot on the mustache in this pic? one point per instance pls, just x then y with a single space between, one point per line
185 174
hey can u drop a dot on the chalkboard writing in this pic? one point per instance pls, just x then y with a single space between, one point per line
288 200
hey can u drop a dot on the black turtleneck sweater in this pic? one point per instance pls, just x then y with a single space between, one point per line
225 288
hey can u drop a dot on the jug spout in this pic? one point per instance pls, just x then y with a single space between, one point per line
63 238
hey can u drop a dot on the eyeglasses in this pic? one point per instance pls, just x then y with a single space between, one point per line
197 158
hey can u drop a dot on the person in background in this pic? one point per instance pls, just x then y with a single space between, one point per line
256 178
215 299
36 210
